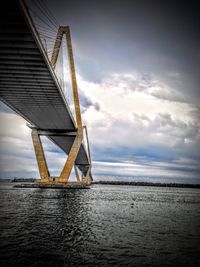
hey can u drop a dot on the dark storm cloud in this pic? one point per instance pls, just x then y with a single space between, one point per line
151 36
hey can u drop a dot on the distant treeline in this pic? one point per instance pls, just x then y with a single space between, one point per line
147 184
23 180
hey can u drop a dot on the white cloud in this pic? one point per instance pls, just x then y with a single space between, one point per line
131 115
129 110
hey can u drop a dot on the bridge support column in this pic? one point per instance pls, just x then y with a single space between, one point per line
64 176
78 134
41 160
70 162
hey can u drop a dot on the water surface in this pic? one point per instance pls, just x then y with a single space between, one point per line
103 226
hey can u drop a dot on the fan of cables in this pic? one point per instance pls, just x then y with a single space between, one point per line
47 27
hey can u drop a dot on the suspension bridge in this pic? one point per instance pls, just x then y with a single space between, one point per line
30 85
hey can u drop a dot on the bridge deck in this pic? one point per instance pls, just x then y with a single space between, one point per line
27 81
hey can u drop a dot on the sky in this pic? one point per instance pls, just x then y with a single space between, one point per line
137 66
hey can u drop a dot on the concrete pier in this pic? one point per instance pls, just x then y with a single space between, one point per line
69 185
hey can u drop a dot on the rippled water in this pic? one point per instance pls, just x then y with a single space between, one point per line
101 226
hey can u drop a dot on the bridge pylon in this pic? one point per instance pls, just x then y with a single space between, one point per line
78 134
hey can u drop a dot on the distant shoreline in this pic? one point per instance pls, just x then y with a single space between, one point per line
131 183
148 184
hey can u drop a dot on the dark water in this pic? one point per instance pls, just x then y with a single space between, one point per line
102 226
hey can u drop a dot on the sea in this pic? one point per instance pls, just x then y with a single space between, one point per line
106 225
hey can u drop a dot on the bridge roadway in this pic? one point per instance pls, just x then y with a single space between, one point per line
28 84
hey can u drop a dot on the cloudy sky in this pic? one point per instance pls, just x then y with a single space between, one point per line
138 74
